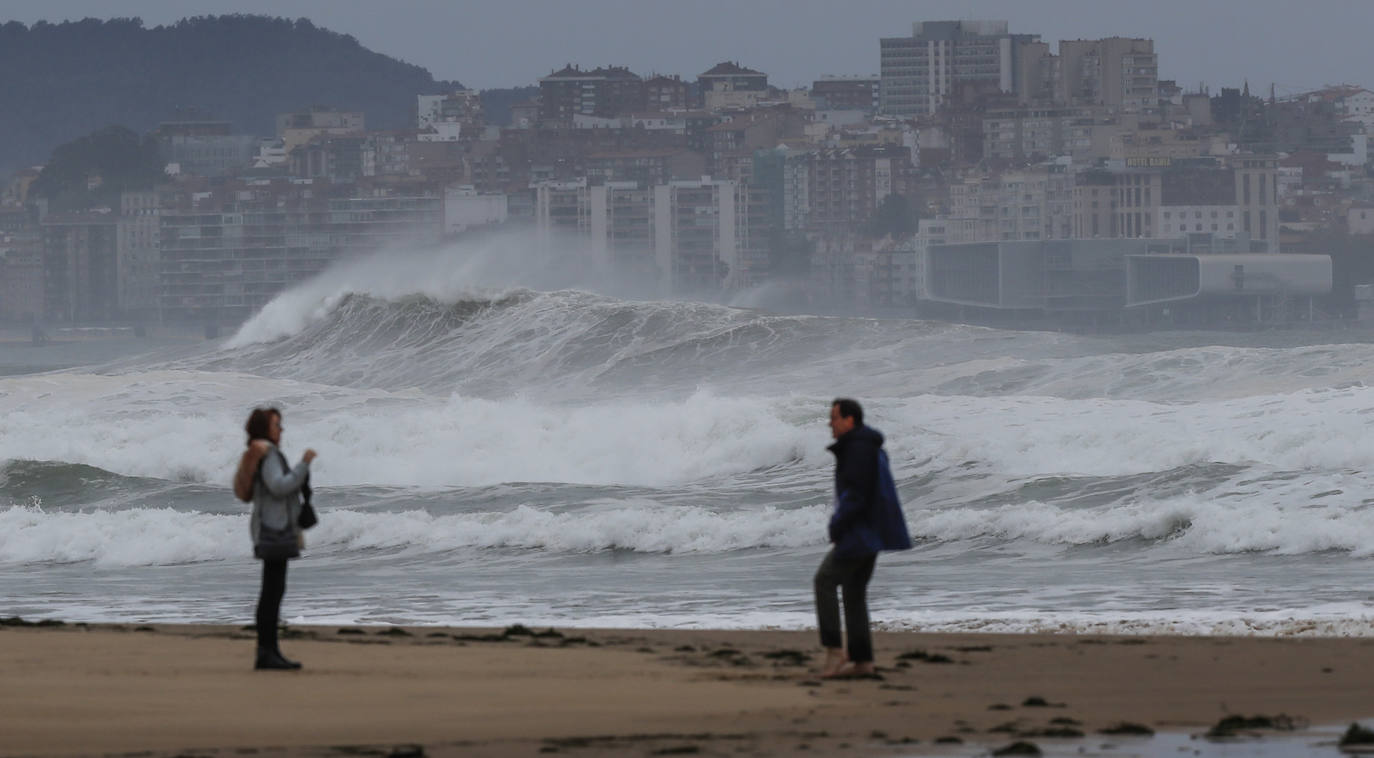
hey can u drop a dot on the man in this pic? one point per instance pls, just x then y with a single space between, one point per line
868 518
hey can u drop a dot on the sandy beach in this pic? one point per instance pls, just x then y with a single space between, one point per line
77 690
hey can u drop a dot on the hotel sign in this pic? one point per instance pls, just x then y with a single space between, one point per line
1150 161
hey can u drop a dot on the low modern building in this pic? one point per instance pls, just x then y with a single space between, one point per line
1208 289
1046 278
1118 281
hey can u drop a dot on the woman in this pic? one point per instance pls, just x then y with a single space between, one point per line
275 489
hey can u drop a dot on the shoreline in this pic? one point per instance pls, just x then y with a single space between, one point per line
78 690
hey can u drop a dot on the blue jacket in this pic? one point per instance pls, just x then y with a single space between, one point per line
868 516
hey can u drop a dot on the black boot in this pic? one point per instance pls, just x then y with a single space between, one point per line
290 663
272 660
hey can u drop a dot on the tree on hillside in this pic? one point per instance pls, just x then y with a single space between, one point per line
93 170
64 80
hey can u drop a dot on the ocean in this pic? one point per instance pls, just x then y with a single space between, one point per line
492 454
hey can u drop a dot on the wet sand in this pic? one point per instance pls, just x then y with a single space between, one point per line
78 690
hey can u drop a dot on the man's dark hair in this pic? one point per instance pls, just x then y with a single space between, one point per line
850 409
258 423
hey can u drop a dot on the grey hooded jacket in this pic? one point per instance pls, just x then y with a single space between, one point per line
277 494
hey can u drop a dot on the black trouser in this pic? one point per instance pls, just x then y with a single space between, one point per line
269 602
851 574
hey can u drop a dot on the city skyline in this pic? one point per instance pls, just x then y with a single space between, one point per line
504 49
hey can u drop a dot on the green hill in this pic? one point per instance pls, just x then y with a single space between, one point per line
59 82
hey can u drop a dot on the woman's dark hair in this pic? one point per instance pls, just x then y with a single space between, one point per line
850 409
258 422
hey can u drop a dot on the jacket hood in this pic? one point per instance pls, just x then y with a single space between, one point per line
859 434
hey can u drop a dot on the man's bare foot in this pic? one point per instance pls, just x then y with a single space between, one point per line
835 659
852 671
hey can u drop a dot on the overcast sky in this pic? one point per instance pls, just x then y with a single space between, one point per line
1294 44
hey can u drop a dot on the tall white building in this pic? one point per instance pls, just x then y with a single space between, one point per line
918 73
686 236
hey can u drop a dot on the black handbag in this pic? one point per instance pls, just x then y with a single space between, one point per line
307 517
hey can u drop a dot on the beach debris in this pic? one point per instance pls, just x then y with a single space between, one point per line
407 751
394 631
1060 732
1357 735
948 740
678 750
1035 701
974 649
520 630
1066 721
684 649
1128 729
17 621
1229 725
350 630
788 657
1009 727
999 707
1018 748
924 657
144 629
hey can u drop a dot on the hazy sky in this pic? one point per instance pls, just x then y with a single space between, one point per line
1294 44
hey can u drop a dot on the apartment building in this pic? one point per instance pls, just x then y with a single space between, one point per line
1231 198
845 186
138 255
1031 132
1033 204
730 77
22 291
662 93
919 73
1225 198
623 233
686 235
1116 72
320 119
463 108
847 93
80 267
604 92
225 254
648 166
